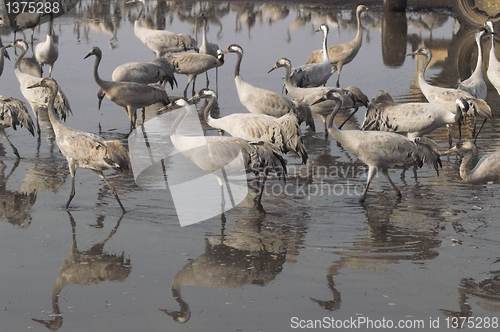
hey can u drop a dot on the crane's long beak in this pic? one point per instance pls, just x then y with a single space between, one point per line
453 149
36 85
319 100
272 69
412 53
89 54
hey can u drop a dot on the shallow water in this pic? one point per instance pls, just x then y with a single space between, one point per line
429 257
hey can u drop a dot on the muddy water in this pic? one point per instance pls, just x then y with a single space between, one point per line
423 260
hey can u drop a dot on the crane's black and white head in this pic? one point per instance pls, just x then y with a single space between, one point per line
94 51
361 8
323 27
233 48
481 32
20 43
333 95
489 24
422 51
283 62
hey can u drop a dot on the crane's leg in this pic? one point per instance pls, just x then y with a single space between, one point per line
449 134
339 67
385 173
72 172
371 173
113 190
2 133
258 199
193 88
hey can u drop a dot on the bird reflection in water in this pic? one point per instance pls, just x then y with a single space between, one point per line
87 267
16 205
252 253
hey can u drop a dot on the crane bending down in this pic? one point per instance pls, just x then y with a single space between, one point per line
487 168
411 119
382 151
128 95
262 101
314 74
283 133
342 54
448 96
37 98
475 84
161 41
82 149
353 96
217 153
13 113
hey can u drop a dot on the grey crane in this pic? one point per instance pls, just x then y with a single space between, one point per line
161 41
47 52
493 71
82 149
475 84
283 133
317 73
448 96
207 47
487 168
353 96
342 54
37 98
216 154
262 101
13 113
411 119
159 70
128 95
193 64
380 150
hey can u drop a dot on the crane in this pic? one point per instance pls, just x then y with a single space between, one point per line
82 149
380 150
342 54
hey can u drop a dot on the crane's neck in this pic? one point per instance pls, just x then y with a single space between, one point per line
238 64
54 119
97 79
359 33
492 48
479 63
17 64
137 23
465 172
326 58
204 33
334 131
208 109
421 74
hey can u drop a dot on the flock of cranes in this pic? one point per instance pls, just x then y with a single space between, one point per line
391 136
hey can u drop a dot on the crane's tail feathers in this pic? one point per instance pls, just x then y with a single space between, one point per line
264 158
119 155
375 119
481 108
428 153
291 136
304 114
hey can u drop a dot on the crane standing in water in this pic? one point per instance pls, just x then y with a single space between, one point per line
82 149
380 150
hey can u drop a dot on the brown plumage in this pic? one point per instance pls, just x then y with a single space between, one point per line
82 149
13 113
